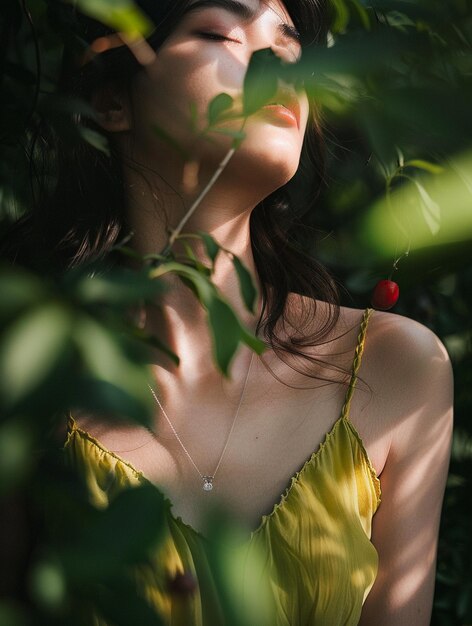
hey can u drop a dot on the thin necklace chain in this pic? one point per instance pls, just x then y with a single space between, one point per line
207 479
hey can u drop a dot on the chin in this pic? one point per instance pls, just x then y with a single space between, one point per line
273 159
269 157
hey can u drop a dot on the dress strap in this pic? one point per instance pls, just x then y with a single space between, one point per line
71 423
356 362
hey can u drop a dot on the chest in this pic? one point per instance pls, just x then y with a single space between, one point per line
277 431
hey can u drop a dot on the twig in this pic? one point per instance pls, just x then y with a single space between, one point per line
176 232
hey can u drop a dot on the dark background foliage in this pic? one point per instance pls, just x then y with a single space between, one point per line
395 94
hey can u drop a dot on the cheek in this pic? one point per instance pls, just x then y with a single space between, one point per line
182 76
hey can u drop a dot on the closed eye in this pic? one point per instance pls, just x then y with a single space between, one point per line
214 36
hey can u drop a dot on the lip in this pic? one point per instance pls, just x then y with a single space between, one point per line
287 100
281 113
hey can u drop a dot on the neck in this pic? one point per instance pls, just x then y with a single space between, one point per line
180 321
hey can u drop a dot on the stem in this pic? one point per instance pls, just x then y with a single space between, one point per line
175 233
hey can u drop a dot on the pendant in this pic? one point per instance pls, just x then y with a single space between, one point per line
207 483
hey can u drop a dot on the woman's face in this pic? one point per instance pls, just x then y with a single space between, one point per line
208 53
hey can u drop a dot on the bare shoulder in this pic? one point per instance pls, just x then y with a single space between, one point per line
402 333
407 361
409 373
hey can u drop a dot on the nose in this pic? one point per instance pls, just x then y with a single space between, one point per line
272 32
288 51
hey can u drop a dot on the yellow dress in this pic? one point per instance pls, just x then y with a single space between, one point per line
317 563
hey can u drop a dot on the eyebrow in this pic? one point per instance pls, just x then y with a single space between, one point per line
243 11
233 6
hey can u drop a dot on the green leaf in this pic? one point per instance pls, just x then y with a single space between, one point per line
341 16
48 584
94 396
152 340
95 139
220 103
432 168
211 246
120 288
248 291
226 329
18 290
125 533
430 209
121 15
363 15
229 559
261 80
31 349
191 254
16 453
122 604
12 614
252 341
105 360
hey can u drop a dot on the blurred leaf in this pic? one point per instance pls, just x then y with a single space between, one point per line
462 445
19 290
104 358
95 139
99 397
120 287
48 585
226 329
125 533
121 15
220 103
430 209
260 81
362 13
248 290
16 453
211 246
225 332
11 614
152 340
341 16
121 604
388 220
31 348
240 572
432 168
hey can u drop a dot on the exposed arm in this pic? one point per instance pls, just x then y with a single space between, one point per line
405 528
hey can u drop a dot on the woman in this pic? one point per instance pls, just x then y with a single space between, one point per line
333 554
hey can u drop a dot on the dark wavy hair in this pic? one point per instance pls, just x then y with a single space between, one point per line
81 217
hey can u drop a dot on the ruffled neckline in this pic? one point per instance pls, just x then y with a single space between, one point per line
312 461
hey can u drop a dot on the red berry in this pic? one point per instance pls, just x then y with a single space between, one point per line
385 295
